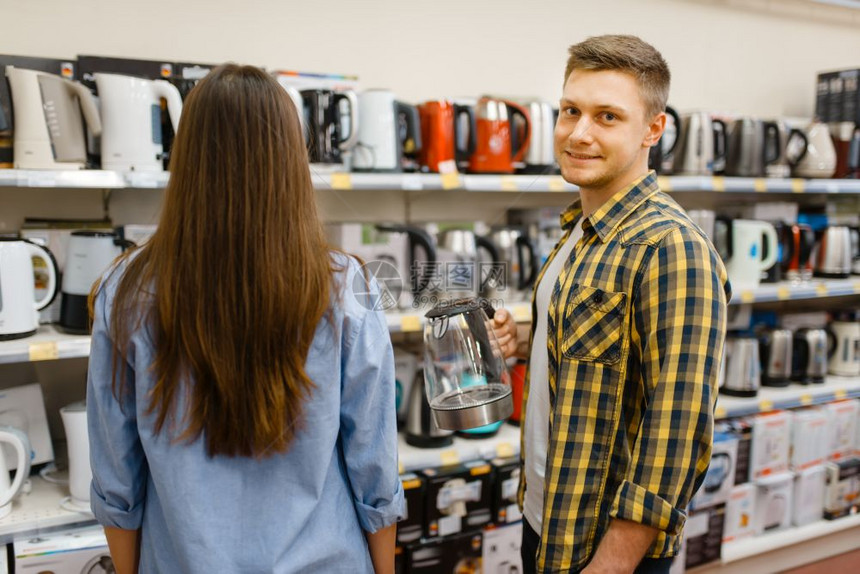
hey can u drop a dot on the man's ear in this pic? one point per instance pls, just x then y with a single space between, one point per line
655 130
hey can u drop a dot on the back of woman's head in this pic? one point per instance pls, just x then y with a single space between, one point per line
240 270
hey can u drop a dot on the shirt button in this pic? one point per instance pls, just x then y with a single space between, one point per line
597 297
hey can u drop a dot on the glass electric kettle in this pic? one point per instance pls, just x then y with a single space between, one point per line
466 380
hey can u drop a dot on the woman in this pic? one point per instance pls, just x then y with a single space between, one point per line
240 397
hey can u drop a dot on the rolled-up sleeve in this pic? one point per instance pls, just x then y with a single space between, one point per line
120 471
680 322
368 426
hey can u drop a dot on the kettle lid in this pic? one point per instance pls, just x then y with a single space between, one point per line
93 233
460 306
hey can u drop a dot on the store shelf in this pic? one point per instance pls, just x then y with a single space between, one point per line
506 442
787 291
326 177
39 510
47 344
793 396
412 321
790 548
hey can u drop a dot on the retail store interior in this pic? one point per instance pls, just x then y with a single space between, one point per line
762 148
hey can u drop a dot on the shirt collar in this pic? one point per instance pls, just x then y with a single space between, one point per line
609 216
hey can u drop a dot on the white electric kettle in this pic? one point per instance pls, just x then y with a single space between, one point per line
748 248
19 308
49 133
131 121
381 140
10 488
80 474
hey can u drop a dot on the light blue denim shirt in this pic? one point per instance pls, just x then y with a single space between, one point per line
301 511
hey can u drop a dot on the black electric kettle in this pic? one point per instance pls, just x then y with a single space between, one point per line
419 239
667 144
323 118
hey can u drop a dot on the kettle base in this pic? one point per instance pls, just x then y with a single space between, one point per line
429 441
736 393
13 336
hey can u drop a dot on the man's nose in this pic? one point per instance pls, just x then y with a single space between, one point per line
582 131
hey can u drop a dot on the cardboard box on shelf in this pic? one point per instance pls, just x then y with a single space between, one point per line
411 528
501 549
770 444
742 430
448 555
74 550
843 488
507 482
704 535
740 513
843 417
459 498
809 491
810 430
774 500
720 477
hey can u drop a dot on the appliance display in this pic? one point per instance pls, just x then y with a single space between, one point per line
743 370
443 143
80 475
131 121
701 149
809 356
499 148
749 248
774 500
458 498
833 253
19 308
81 550
843 349
388 129
775 346
23 408
809 491
9 488
325 111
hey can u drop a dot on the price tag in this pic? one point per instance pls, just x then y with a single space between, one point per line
509 183
46 351
821 290
719 183
399 467
410 323
340 180
806 400
556 183
504 449
798 186
783 293
720 412
840 393
521 313
747 296
664 183
449 457
857 287
451 180
760 185
765 405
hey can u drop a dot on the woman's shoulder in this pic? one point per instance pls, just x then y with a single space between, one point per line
356 292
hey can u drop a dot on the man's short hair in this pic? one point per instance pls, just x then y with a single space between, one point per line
625 54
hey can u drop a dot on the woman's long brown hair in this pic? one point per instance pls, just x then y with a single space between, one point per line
240 269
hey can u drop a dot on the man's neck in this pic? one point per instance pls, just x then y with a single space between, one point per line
593 198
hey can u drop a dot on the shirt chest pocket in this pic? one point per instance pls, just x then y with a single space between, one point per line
593 325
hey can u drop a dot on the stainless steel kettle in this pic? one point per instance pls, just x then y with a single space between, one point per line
752 145
833 254
809 356
518 255
775 347
743 371
421 428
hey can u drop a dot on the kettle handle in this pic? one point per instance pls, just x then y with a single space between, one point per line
771 131
831 342
166 90
88 105
524 244
413 126
670 111
487 245
770 254
518 152
727 223
472 141
720 145
21 444
417 237
44 253
796 134
124 244
352 139
799 357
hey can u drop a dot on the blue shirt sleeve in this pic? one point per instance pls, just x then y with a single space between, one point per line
119 466
368 425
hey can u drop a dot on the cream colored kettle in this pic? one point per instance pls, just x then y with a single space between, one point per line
10 488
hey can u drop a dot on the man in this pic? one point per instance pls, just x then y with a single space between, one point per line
629 322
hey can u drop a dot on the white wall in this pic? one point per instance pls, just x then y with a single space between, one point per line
748 56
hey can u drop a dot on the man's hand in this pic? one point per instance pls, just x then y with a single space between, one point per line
505 329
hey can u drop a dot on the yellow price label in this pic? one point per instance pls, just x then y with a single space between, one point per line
449 457
399 467
840 393
341 180
521 313
821 290
765 405
509 183
451 180
664 183
857 287
720 412
806 400
719 183
504 449
760 185
747 296
410 323
556 183
46 351
783 293
798 186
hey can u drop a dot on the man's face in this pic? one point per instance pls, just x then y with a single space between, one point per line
602 135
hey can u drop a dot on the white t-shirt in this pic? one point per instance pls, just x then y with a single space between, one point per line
536 430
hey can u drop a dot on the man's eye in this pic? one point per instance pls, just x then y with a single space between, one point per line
571 111
609 116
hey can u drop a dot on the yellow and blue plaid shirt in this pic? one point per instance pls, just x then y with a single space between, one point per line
636 327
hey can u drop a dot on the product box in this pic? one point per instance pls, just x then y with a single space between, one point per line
741 429
454 554
849 95
505 508
774 500
770 444
740 513
24 409
501 551
719 480
822 96
399 560
137 233
411 527
810 430
187 74
843 488
704 535
843 417
809 489
459 498
74 550
834 98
